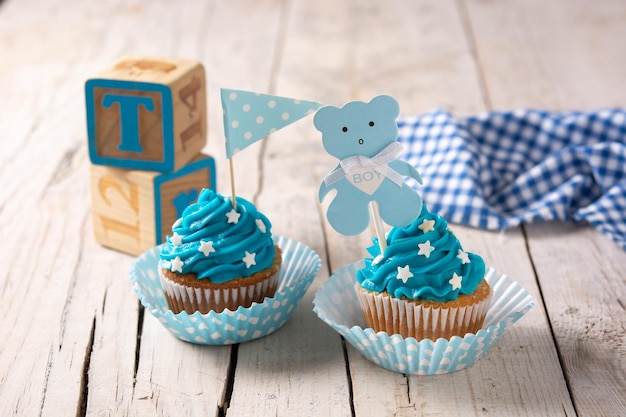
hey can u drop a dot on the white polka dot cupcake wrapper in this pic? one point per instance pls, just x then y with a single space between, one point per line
336 303
300 266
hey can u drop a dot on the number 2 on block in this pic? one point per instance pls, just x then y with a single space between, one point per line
131 198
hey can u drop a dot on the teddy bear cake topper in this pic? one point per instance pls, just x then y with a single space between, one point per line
369 178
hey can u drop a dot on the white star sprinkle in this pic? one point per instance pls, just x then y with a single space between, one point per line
427 226
249 259
233 216
404 273
463 256
425 249
206 247
177 265
176 239
260 225
455 281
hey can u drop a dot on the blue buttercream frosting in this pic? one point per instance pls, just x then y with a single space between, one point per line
424 261
217 242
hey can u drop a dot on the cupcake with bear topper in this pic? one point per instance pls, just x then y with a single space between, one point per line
223 277
407 307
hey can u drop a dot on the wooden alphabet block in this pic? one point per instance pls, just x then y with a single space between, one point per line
146 113
134 210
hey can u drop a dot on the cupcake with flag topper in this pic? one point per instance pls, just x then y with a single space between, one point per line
223 277
221 254
219 257
419 293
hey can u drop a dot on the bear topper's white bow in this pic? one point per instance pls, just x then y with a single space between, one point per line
378 163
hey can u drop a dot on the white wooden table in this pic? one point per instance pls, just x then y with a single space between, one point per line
74 340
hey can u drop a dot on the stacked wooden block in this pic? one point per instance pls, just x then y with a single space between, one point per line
147 124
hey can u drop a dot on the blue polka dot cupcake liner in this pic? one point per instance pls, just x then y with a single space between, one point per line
300 266
336 304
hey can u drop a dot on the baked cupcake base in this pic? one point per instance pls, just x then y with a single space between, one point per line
424 319
184 292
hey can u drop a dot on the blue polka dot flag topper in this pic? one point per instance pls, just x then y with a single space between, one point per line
250 117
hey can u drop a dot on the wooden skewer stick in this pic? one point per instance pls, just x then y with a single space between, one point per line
233 196
378 226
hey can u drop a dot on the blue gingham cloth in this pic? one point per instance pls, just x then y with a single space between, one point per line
501 169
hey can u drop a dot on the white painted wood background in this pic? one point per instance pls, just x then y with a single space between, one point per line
73 339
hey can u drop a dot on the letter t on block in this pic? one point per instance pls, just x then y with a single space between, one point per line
147 114
129 118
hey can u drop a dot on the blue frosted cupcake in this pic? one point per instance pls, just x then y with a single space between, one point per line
219 257
424 285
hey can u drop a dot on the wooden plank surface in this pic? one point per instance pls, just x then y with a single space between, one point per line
569 59
74 339
197 381
300 369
